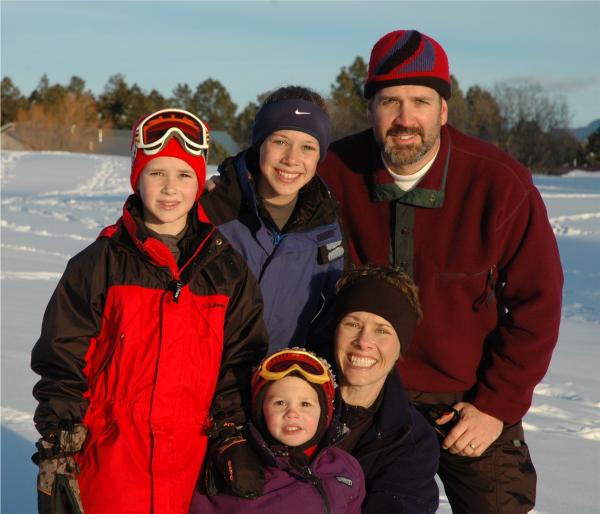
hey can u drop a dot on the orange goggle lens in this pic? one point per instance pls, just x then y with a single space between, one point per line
153 133
283 363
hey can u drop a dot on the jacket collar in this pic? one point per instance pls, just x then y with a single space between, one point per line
278 455
430 191
315 207
392 422
389 417
133 224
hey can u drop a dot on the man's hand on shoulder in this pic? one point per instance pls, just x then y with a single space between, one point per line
211 183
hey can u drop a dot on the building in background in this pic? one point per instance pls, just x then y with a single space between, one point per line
20 136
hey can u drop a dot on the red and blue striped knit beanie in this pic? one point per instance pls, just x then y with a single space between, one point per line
407 57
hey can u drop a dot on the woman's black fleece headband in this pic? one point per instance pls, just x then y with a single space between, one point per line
381 298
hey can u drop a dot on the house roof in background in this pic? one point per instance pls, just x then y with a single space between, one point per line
111 142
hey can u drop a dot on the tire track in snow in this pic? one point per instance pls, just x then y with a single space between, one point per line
7 162
110 179
31 249
569 196
20 422
577 217
553 418
560 229
42 233
30 275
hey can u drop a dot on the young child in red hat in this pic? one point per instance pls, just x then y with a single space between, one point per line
293 394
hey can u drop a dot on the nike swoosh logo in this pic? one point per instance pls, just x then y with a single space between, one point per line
300 112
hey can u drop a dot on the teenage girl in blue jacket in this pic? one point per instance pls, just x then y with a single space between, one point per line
274 209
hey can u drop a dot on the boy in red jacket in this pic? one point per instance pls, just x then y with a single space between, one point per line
146 325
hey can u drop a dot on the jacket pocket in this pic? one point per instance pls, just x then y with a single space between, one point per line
106 359
480 285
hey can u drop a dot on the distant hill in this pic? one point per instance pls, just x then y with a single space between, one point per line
582 133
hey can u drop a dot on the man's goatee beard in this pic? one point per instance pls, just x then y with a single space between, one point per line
407 155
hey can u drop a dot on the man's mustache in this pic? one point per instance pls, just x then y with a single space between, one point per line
402 131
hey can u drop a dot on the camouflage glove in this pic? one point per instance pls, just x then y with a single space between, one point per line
237 465
58 489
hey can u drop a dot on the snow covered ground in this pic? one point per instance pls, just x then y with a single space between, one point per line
54 204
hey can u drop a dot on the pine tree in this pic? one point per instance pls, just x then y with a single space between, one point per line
348 105
11 101
114 102
458 111
483 120
183 98
211 101
241 131
592 148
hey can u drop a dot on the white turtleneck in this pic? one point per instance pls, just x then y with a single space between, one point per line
407 182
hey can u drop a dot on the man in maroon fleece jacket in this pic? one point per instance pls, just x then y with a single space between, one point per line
466 222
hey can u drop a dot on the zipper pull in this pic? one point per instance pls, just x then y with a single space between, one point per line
177 287
491 276
487 297
491 286
277 237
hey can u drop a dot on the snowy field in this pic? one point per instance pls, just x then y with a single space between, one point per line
54 204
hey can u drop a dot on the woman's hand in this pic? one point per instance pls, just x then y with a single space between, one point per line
474 432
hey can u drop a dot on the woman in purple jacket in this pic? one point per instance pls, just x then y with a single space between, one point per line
292 412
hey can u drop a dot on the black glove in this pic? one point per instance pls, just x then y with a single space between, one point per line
433 413
58 489
238 464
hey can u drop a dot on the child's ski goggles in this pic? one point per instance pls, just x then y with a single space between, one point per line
285 362
153 132
299 362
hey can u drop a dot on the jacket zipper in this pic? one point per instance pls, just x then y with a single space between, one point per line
448 276
268 260
316 481
277 238
177 285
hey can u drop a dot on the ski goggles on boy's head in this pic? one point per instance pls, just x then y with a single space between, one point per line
285 362
153 132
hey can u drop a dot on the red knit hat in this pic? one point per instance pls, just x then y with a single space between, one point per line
407 57
173 148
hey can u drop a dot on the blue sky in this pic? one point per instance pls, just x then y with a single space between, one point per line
253 46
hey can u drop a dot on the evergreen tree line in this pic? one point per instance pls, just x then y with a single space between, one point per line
521 118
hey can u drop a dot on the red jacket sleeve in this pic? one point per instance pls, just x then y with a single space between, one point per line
529 292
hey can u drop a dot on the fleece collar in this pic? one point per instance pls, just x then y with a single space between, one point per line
431 190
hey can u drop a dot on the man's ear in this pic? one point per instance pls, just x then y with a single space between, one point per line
443 112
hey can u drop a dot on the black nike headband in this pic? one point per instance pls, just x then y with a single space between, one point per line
300 115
